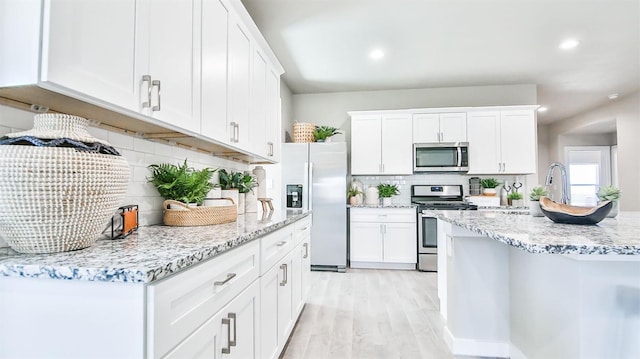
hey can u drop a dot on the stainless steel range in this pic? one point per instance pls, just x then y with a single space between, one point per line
434 197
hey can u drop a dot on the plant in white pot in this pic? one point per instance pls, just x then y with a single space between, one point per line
386 191
489 186
230 183
247 183
352 193
534 198
610 193
323 133
515 199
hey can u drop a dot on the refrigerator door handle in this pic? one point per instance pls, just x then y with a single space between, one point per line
310 186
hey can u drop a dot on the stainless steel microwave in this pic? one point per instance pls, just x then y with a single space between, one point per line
441 157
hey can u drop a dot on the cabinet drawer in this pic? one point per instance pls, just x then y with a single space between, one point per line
376 215
180 304
275 246
302 229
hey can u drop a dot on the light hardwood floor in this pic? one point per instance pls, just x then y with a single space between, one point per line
370 314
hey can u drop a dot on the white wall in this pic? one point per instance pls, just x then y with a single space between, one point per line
626 112
139 153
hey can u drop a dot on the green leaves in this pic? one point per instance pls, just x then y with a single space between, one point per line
322 132
608 193
243 182
387 190
537 192
181 183
489 183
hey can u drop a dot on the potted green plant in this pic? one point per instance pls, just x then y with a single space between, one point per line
230 183
610 193
385 191
321 133
515 199
245 187
352 194
181 183
489 186
534 198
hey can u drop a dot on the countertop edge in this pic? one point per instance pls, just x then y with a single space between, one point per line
141 275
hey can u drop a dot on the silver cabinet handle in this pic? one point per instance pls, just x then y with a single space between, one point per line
233 132
306 250
284 274
227 322
232 343
237 132
270 148
223 282
304 229
281 243
504 167
147 79
156 83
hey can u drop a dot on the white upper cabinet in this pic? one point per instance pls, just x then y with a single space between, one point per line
381 144
215 22
443 127
502 142
174 71
92 49
153 67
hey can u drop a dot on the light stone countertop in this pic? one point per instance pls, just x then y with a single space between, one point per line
381 206
150 254
612 236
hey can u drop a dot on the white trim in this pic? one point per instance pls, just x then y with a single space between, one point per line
380 265
412 111
516 353
476 347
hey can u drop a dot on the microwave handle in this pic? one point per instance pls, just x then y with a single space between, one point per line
459 156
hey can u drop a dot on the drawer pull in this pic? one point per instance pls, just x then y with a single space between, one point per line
232 343
281 243
306 250
227 322
284 271
304 229
223 282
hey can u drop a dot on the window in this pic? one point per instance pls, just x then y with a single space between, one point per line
589 168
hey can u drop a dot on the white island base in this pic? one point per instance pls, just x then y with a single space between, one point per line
502 301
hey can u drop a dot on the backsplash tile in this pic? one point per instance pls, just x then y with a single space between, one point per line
139 153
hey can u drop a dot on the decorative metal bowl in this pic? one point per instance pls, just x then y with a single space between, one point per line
564 213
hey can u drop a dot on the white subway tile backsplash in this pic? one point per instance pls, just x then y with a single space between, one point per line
139 153
120 141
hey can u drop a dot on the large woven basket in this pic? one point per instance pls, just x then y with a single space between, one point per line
303 132
59 186
182 215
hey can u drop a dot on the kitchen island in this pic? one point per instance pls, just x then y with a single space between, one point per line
524 287
146 295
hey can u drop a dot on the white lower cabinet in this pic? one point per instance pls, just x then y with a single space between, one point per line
230 333
383 238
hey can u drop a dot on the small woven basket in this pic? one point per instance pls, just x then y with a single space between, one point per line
185 216
303 132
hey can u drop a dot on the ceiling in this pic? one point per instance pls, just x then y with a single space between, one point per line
323 46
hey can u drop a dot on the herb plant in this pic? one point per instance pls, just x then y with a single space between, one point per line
181 183
321 133
489 183
387 190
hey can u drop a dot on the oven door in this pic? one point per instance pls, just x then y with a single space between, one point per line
427 243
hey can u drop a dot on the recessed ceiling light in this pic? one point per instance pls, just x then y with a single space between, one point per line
376 54
613 96
542 109
569 44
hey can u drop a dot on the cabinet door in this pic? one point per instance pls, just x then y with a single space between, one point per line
285 296
206 342
273 120
453 127
397 146
365 242
306 269
484 142
171 62
239 81
296 280
257 120
92 49
426 128
243 314
366 145
215 20
518 141
400 243
275 308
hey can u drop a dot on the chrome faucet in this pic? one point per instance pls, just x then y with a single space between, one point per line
565 180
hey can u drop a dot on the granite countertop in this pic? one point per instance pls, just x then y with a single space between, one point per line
613 236
150 254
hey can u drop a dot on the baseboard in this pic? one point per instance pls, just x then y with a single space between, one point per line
474 347
379 265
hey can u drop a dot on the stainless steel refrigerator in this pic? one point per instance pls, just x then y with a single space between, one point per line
314 176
